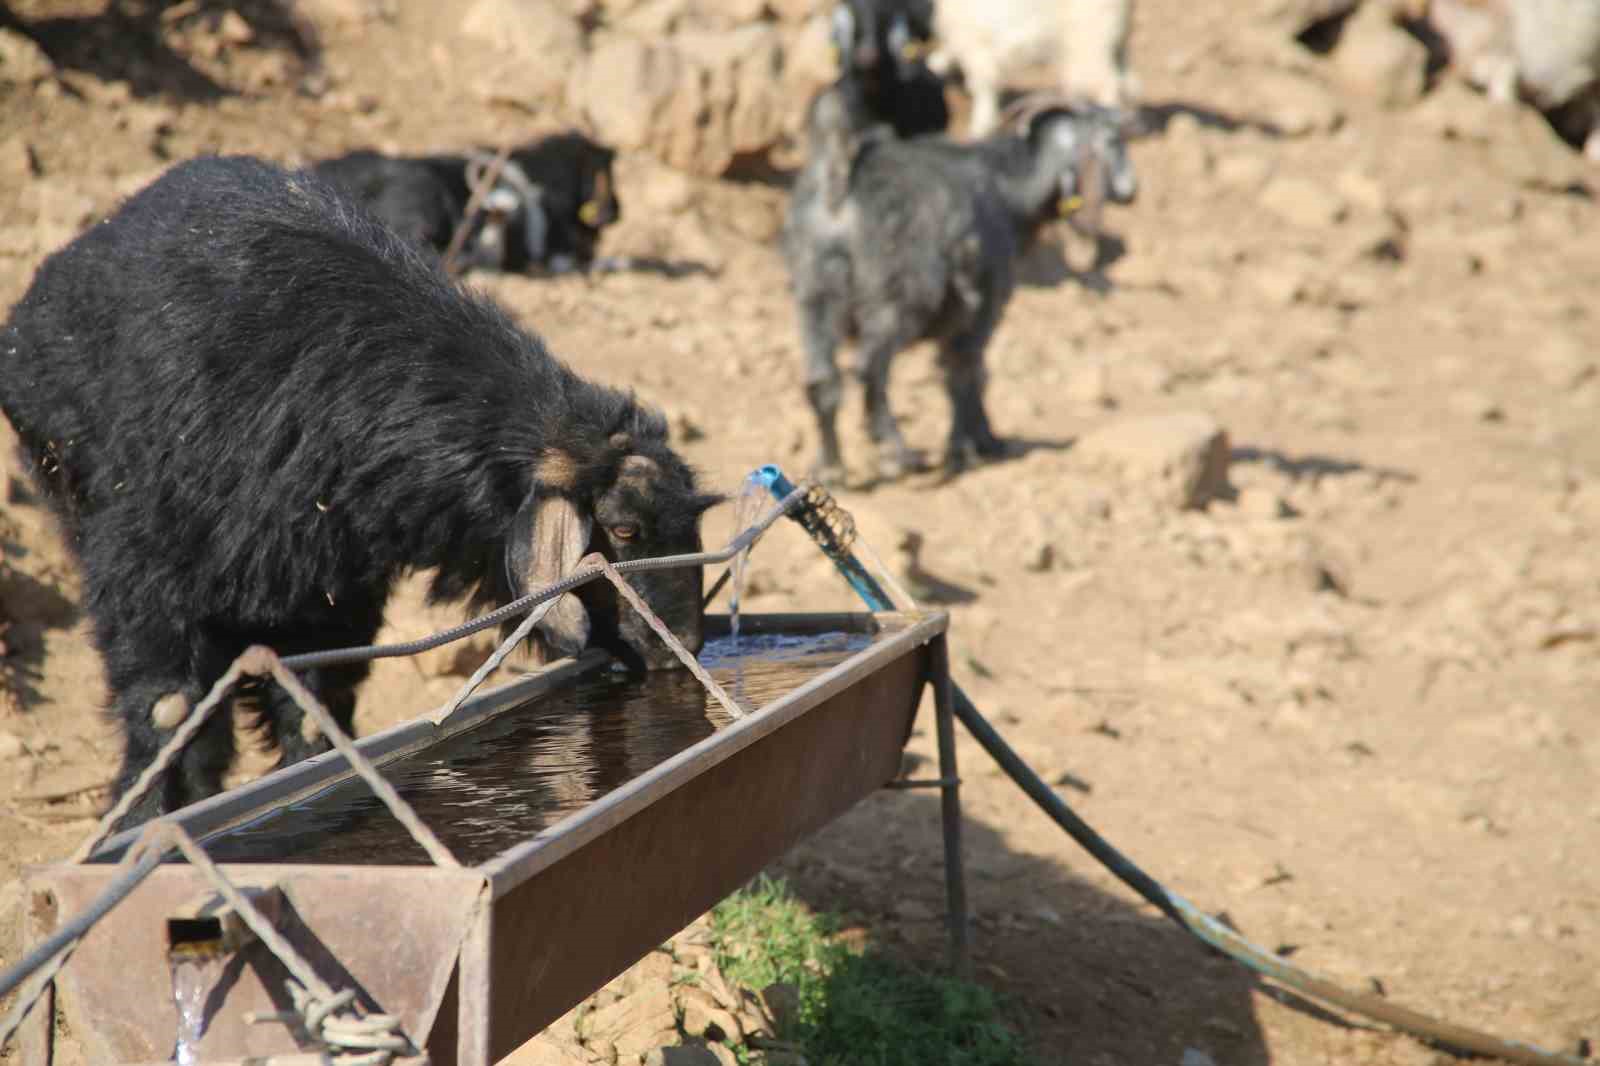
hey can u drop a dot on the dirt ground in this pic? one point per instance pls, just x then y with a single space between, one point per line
1353 707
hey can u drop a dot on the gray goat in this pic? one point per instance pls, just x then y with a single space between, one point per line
889 242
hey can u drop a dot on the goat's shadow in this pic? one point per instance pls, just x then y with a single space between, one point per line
28 607
1154 118
649 264
118 44
1086 976
1046 265
935 473
1314 467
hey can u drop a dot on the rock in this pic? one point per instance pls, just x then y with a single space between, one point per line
1259 502
234 29
782 1004
1294 17
643 81
1295 105
11 747
697 102
1524 148
668 192
793 10
1303 202
18 164
1243 170
704 1016
810 63
22 62
546 1050
1362 189
633 1022
58 202
1379 60
635 1044
654 969
534 48
1181 460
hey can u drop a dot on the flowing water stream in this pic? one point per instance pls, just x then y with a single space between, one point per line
748 506
194 972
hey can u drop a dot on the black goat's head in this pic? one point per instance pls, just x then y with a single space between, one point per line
872 36
632 498
577 196
1087 146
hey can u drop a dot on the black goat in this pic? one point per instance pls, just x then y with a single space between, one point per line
882 45
546 210
890 242
253 407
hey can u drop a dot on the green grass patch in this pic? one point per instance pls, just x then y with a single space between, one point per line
863 1009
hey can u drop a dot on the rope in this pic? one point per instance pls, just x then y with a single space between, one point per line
684 654
244 664
492 663
581 576
315 1000
46 960
480 190
398 807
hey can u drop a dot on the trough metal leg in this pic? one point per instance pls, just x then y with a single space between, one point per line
950 806
472 1025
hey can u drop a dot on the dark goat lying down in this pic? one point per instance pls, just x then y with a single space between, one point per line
253 407
546 211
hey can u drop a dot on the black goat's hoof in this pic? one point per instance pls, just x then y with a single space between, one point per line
898 462
831 475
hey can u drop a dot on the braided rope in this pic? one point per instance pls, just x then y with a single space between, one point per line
684 654
398 807
248 663
316 1002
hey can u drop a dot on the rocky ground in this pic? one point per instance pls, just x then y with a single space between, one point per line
1290 587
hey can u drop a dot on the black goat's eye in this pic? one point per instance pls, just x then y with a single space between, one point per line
625 531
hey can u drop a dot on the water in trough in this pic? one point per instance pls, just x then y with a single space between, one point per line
496 785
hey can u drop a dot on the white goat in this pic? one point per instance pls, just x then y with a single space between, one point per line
988 39
1544 51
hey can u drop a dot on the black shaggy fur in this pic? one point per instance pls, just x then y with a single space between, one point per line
880 46
254 407
424 198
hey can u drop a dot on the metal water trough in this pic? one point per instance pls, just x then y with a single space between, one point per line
476 960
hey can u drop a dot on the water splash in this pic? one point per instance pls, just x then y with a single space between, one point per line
195 969
750 505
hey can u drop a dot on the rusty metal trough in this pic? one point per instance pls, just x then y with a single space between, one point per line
476 960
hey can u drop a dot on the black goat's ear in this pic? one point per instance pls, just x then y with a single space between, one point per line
704 501
548 538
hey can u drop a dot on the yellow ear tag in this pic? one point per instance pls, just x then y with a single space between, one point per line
1068 205
589 213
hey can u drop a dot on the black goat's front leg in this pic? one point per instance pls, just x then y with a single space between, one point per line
824 389
294 733
159 675
965 381
895 457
